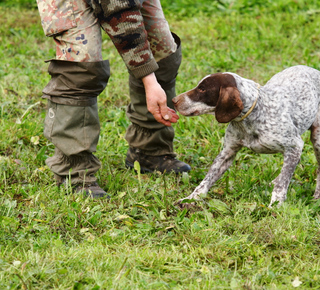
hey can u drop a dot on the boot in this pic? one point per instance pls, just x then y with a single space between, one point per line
92 190
78 171
163 163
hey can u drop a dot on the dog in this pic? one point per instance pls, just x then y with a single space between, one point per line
266 119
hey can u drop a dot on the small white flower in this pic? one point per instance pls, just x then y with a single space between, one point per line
84 230
35 140
296 282
16 263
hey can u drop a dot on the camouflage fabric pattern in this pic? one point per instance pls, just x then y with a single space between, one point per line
82 41
138 30
56 16
162 43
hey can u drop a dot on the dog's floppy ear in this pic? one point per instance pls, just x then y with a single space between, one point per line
229 104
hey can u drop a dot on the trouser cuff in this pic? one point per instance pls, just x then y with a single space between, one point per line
78 169
151 142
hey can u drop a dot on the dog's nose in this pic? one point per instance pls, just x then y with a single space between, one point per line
176 100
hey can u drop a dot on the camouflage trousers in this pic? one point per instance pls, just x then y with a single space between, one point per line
72 122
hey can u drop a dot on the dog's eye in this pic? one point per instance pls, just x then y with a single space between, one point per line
201 89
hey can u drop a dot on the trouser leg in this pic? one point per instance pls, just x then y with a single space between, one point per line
151 143
72 122
145 133
78 76
74 131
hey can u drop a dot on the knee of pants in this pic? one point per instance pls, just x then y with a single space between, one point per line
76 83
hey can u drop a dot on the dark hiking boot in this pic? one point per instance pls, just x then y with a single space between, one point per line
92 190
162 163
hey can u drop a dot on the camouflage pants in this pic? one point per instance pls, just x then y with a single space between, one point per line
77 35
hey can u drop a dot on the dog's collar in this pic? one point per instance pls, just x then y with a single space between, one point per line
253 105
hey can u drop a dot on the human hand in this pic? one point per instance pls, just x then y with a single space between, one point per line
157 101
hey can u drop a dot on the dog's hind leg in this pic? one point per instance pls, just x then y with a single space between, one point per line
315 139
281 183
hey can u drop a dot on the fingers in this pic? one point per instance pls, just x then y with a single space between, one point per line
172 117
168 114
157 106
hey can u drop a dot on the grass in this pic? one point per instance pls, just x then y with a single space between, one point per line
50 239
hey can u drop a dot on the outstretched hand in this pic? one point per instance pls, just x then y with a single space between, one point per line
157 101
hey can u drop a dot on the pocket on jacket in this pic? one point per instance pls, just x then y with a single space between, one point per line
56 16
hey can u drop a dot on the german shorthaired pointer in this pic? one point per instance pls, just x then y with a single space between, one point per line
267 119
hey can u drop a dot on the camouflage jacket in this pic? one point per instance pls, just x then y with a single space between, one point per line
121 20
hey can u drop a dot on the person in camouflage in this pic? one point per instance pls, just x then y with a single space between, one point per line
152 55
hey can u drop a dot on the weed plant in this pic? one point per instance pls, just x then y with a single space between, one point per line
52 239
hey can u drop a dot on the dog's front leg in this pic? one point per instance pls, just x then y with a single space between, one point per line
217 169
281 183
315 138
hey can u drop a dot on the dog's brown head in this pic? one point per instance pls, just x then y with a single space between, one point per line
215 94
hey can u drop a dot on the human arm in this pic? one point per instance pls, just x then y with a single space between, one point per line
123 22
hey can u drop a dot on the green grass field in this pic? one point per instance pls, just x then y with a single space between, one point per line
50 239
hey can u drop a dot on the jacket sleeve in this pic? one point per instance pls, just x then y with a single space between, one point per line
123 22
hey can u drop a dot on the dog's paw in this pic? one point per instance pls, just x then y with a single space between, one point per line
185 203
316 195
276 203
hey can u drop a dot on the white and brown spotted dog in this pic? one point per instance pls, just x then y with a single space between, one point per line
267 119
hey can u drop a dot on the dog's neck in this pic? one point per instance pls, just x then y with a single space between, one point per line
249 94
252 106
